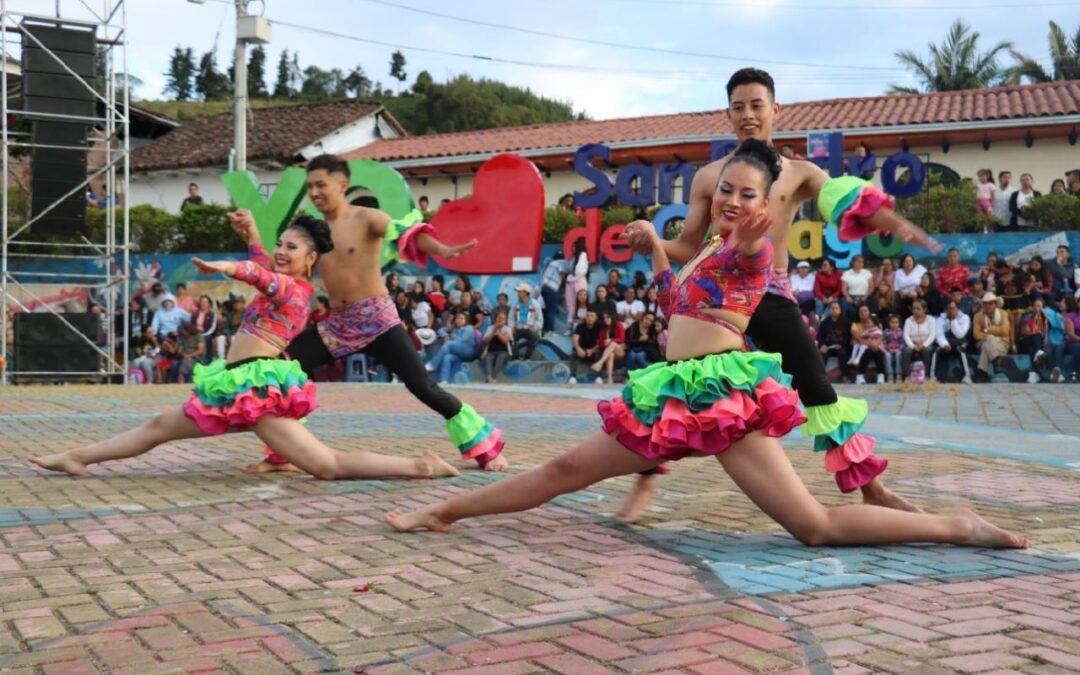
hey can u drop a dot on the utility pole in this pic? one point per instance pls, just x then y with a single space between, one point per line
240 93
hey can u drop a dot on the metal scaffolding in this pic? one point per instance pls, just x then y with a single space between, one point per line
111 256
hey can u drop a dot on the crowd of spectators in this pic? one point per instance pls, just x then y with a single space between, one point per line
1007 204
905 322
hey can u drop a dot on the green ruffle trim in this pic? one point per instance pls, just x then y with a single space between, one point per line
467 428
832 425
837 196
390 254
216 385
698 383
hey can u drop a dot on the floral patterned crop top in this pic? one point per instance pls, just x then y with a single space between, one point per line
282 310
724 279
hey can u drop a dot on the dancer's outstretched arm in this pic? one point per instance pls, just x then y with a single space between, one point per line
432 246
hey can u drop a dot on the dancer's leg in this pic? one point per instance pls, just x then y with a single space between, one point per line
599 457
302 448
760 468
170 426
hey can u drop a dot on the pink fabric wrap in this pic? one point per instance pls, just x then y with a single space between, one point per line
487 449
870 200
854 463
247 408
409 247
858 475
679 432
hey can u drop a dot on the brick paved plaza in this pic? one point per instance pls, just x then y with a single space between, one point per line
177 562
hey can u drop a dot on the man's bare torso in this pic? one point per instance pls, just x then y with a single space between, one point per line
353 270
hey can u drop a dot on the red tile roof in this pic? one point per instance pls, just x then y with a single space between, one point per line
1021 101
277 133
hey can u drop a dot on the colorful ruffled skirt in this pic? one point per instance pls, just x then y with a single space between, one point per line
702 406
848 454
235 397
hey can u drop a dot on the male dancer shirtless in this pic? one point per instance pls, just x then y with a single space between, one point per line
776 325
363 317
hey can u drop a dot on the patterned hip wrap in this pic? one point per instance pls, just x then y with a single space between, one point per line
351 328
702 406
235 396
780 284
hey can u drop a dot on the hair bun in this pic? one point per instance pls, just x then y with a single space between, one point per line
318 230
764 153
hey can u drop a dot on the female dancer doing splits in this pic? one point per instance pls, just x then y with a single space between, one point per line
253 389
712 398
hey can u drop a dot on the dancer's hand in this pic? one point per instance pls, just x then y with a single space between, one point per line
226 267
750 230
243 222
451 252
640 236
910 233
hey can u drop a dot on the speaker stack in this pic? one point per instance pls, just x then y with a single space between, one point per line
58 156
44 344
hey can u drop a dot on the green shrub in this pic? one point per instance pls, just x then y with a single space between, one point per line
557 223
205 228
1055 212
616 215
942 209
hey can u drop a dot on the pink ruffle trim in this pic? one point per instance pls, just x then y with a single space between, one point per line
858 475
272 457
679 432
247 408
869 201
409 247
855 450
487 449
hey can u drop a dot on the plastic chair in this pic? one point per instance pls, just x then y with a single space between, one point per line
356 368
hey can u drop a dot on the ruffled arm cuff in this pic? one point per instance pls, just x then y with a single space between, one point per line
848 202
409 245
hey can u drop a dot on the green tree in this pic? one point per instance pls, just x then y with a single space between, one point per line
955 64
179 77
358 83
256 73
283 84
424 83
210 83
322 84
397 67
1064 59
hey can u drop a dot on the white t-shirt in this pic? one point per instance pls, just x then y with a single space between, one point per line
902 281
1023 200
627 311
800 284
420 315
1001 204
858 283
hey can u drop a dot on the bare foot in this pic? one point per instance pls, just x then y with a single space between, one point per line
500 463
637 501
434 466
269 467
421 519
986 535
880 495
61 461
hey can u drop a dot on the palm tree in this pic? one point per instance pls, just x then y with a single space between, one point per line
955 64
1064 55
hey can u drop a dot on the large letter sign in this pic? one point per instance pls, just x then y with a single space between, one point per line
269 214
584 168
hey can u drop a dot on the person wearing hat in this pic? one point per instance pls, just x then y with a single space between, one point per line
526 321
993 334
802 286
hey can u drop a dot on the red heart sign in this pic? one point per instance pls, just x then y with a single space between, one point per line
505 214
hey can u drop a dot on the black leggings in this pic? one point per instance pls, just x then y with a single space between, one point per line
777 327
392 349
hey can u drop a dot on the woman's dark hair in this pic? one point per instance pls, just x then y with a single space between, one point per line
208 299
640 279
393 274
826 260
316 231
438 279
140 302
913 261
759 155
1070 303
323 300
1038 259
467 282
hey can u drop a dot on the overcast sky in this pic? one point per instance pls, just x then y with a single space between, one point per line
815 49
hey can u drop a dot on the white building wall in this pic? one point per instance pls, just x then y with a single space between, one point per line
168 189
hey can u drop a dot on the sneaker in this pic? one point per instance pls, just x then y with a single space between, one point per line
1033 377
428 367
599 380
1039 356
966 380
1055 375
572 381
859 379
880 378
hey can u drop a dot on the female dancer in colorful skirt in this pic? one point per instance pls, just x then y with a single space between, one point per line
713 398
253 389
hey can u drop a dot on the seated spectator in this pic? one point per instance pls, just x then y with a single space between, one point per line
855 284
498 341
953 273
864 320
802 286
834 335
1072 337
1011 283
629 309
1063 271
641 284
146 355
874 355
139 320
953 340
168 317
502 304
827 287
192 348
612 346
435 295
652 301
882 302
893 338
581 306
458 346
603 304
972 300
184 301
421 313
526 321
205 321
586 344
418 292
474 314
642 349
906 281
393 284
661 326
168 355
480 300
928 293
615 287
993 334
1034 332
920 338
1042 279
887 272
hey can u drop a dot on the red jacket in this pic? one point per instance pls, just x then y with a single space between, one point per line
827 286
949 278
620 336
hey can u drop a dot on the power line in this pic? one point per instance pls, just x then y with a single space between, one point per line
857 7
623 45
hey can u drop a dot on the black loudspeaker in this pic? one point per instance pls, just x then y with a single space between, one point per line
50 87
44 344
